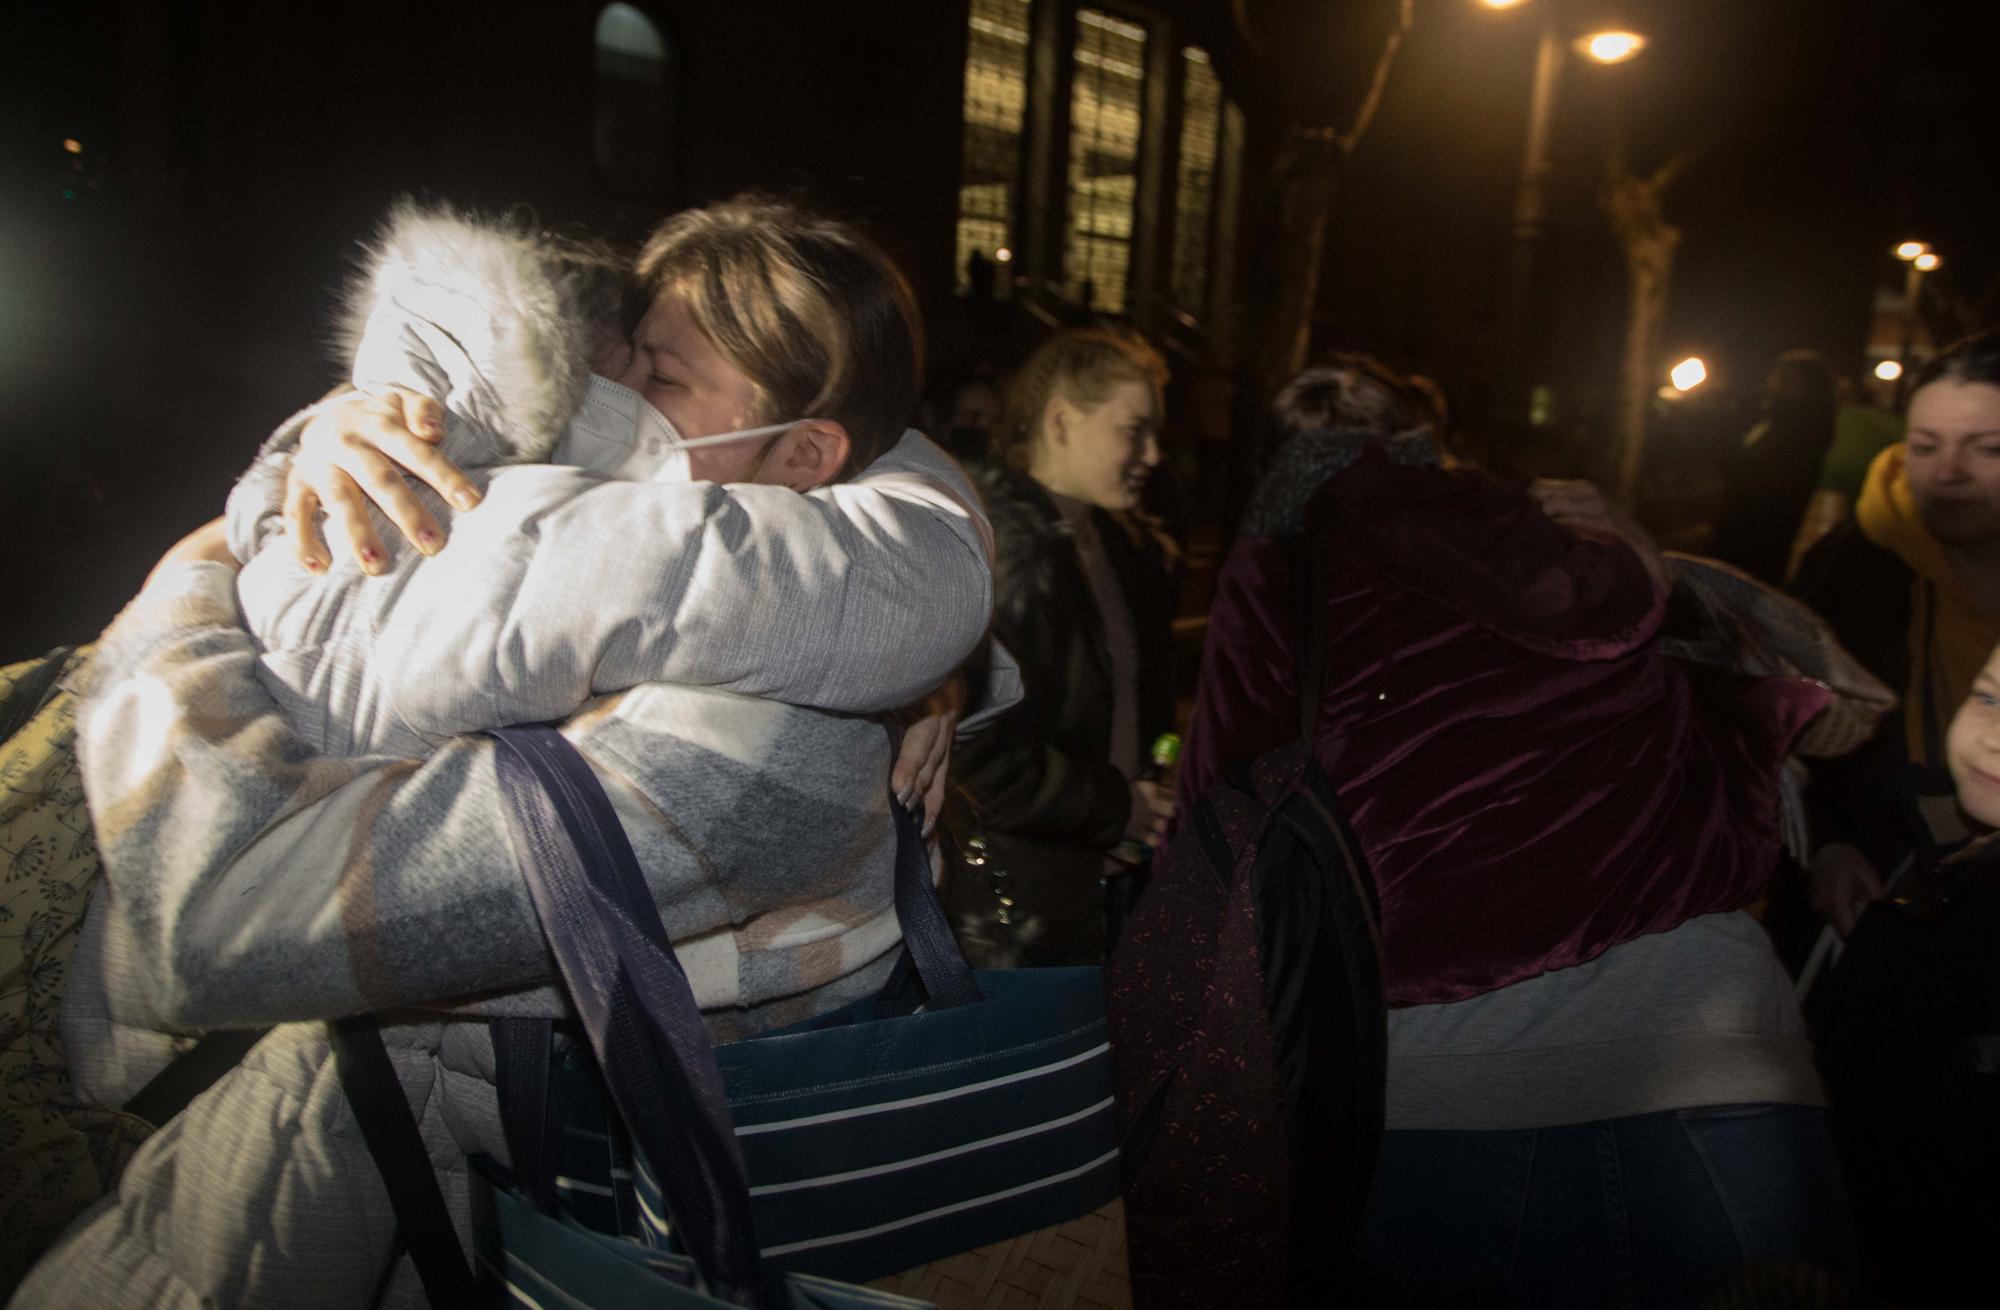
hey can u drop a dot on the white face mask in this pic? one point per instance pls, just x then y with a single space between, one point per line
617 432
658 433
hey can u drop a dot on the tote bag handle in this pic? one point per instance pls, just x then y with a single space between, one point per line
928 943
633 998
635 1003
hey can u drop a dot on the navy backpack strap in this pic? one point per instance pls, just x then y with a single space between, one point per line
192 1073
521 1066
396 1144
635 1003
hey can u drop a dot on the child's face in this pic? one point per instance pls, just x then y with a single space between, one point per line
1972 747
681 374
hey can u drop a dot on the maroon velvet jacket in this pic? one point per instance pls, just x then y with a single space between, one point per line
1532 779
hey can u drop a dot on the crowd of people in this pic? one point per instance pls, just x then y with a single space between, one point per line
678 506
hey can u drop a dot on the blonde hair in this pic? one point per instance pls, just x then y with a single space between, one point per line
1083 366
815 314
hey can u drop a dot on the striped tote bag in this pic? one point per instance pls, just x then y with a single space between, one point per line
953 1110
876 1144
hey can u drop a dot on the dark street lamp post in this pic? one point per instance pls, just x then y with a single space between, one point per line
1531 218
1531 206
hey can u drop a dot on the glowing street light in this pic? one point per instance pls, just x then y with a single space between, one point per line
1002 255
1921 259
1688 374
1612 47
1889 370
1501 4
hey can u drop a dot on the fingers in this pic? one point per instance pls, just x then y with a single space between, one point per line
933 764
348 508
1159 810
383 483
353 475
421 415
924 762
1570 501
934 790
1160 805
416 450
918 742
302 523
377 443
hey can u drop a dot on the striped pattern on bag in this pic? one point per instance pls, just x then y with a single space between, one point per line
862 1165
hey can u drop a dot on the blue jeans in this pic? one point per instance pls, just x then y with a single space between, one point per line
1651 1210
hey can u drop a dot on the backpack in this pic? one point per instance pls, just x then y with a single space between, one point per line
1249 1031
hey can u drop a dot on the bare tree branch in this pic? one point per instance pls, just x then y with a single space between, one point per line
1240 11
1687 156
1365 114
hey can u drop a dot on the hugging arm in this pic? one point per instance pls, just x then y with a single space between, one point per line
858 598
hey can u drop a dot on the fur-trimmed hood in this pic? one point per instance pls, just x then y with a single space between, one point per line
493 319
1030 536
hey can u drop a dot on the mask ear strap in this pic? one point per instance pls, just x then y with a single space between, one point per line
722 438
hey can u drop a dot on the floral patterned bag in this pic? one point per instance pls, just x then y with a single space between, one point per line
56 1155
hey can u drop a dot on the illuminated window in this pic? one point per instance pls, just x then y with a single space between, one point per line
1194 192
632 134
1105 103
996 95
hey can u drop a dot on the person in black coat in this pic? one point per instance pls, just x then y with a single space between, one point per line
1910 1037
1772 477
1083 599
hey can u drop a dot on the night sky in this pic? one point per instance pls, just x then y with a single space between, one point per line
1841 127
134 380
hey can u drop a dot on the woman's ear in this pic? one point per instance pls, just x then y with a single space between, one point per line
808 456
1056 416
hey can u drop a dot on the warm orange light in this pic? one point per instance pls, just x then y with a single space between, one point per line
1502 4
1688 374
1927 261
1002 255
74 146
1612 47
1910 250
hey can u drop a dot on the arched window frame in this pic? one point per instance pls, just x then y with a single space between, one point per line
635 117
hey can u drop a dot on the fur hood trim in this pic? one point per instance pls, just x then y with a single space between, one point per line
500 318
1029 536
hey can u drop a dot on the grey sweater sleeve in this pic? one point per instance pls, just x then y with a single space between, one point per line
251 881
